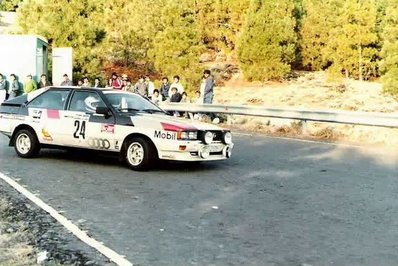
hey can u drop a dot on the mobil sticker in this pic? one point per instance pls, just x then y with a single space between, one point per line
165 135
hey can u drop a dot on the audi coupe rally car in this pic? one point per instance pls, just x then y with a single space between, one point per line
108 120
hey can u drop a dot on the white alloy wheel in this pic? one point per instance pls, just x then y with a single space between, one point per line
135 153
23 143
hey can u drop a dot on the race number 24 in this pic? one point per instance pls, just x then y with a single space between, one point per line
80 129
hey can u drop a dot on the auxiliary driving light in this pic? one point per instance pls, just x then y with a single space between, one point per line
208 137
227 151
204 152
227 137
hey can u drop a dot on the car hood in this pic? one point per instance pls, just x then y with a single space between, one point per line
156 120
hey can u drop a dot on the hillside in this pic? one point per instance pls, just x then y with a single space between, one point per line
312 91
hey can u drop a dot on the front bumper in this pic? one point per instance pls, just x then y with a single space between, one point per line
191 152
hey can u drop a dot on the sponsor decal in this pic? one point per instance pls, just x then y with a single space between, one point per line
102 144
46 135
117 146
13 117
108 128
53 114
78 116
165 135
36 114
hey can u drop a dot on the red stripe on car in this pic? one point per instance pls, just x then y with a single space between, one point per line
177 128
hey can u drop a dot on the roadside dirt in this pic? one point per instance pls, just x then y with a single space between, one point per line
30 236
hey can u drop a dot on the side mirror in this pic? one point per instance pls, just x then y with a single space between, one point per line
103 111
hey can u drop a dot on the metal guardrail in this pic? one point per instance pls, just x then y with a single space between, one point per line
341 117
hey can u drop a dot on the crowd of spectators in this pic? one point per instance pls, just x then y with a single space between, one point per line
173 92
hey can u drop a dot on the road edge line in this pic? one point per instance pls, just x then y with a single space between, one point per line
75 230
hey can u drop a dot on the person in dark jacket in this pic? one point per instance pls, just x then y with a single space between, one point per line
15 89
66 81
209 86
164 88
43 81
175 95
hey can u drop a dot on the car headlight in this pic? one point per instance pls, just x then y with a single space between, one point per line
208 138
187 135
227 137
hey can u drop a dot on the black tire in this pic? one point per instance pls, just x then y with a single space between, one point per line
142 157
26 144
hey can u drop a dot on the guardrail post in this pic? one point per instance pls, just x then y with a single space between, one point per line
304 127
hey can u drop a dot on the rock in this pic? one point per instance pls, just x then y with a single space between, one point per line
41 258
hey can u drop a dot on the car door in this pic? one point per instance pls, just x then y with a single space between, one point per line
46 112
89 129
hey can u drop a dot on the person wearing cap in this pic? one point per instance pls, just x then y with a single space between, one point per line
116 82
66 81
30 84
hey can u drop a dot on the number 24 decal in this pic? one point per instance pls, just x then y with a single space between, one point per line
80 130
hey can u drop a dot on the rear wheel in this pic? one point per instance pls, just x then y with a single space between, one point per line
26 143
139 154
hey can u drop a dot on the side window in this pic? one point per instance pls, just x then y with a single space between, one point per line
52 99
85 101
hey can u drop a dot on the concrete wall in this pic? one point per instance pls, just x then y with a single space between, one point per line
23 55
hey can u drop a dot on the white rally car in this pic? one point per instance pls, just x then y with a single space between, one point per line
108 120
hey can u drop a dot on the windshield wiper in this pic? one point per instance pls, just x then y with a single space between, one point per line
151 111
129 109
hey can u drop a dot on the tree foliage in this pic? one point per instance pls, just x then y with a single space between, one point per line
177 47
267 45
267 38
390 49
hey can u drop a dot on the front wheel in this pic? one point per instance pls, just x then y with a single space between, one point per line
26 144
139 154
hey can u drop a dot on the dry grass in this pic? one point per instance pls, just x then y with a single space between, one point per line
312 91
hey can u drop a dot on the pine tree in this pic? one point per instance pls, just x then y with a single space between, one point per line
9 5
267 45
390 49
67 23
177 47
314 33
352 41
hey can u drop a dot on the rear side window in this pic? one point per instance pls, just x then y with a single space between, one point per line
52 99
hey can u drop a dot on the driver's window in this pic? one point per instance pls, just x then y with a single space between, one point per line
86 101
52 99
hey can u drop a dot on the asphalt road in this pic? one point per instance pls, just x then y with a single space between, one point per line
275 202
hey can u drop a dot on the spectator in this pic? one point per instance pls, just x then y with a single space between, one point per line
175 95
67 81
86 83
116 83
43 81
209 86
156 97
80 83
14 90
3 89
202 89
184 98
197 99
208 93
30 84
141 87
177 85
97 83
150 86
164 88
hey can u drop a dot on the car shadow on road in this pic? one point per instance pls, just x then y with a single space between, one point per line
92 157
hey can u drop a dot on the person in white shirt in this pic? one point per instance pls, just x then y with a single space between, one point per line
176 84
156 97
150 86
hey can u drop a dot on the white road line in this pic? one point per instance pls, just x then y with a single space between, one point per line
109 253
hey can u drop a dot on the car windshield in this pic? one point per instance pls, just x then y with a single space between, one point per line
130 102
